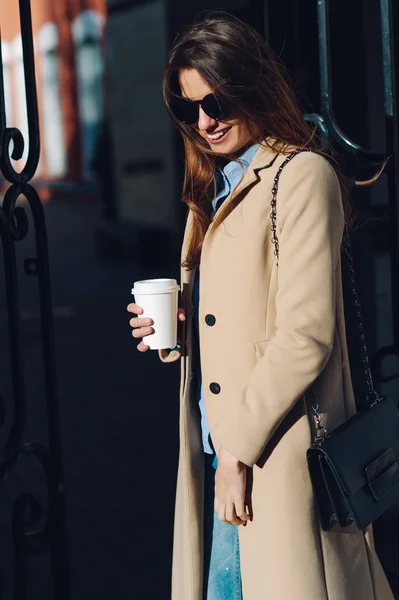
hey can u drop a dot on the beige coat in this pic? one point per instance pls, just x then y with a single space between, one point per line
277 330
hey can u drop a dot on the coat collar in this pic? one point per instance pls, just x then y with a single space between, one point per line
263 159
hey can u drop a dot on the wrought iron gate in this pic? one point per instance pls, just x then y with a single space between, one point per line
38 524
330 129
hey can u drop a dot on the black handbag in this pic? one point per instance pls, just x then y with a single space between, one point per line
354 469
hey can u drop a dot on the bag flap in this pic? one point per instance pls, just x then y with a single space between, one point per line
360 441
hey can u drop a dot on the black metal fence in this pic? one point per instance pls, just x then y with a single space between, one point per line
38 523
331 130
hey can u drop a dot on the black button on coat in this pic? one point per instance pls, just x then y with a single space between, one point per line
215 388
210 320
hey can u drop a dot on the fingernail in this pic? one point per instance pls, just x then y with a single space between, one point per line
147 321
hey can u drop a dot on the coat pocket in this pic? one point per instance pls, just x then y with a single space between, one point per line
260 348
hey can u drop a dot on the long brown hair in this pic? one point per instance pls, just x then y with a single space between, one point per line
237 65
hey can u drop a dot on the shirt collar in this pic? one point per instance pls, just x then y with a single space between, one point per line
244 160
230 174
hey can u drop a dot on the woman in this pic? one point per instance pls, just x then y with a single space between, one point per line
268 329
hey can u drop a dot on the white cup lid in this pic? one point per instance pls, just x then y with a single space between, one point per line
155 286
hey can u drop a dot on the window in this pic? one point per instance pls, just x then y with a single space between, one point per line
7 62
18 113
87 33
50 102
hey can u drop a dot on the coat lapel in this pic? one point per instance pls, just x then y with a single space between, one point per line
263 159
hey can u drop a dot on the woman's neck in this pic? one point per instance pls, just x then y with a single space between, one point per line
222 161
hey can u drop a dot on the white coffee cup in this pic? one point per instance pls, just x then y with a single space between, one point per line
159 298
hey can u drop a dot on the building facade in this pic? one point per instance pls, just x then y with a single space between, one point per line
68 44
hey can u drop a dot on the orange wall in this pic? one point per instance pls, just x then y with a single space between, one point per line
9 19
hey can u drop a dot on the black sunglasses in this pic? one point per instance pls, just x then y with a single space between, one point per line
187 111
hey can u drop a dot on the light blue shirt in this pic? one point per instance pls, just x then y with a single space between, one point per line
226 180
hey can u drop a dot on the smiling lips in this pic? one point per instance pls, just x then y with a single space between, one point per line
215 138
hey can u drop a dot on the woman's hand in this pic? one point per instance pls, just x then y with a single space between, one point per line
143 327
230 488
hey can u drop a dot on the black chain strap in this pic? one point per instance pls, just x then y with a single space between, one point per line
372 396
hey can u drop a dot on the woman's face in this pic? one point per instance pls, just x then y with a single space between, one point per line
235 132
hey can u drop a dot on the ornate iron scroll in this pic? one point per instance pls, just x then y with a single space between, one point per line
38 525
